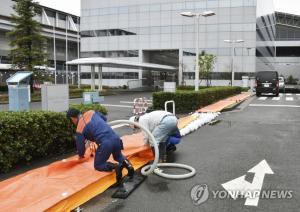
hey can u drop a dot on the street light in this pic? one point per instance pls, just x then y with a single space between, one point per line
197 16
232 42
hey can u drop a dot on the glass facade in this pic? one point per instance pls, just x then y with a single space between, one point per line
266 35
287 44
158 26
287 27
111 54
113 75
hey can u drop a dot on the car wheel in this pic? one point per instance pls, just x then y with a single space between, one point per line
257 94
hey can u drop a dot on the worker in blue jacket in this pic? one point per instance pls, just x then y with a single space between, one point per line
92 126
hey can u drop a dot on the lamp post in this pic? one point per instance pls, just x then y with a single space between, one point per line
232 42
197 16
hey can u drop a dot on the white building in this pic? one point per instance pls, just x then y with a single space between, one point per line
154 31
288 44
56 25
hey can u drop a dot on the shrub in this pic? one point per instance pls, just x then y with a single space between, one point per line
187 87
76 92
190 88
3 88
81 87
28 136
188 101
83 108
291 80
25 136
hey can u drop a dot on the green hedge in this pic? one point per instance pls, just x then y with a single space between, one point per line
25 136
188 101
83 108
3 88
188 88
28 136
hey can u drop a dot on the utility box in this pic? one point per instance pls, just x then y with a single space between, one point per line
18 91
91 97
55 97
170 87
252 83
245 80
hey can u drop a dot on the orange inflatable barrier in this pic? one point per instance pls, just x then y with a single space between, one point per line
225 103
66 184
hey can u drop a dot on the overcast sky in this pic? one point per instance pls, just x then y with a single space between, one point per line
73 6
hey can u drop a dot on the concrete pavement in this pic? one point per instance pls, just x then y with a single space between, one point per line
223 152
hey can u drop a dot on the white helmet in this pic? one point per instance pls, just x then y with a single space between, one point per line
132 118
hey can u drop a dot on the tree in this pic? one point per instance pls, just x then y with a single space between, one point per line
206 65
28 46
291 80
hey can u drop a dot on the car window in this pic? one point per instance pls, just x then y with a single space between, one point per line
281 79
266 76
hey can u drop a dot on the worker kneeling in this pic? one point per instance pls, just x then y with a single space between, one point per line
92 126
163 126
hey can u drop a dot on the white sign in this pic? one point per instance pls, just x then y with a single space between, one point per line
251 191
87 97
55 98
170 87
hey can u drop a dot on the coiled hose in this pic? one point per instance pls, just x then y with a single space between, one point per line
153 168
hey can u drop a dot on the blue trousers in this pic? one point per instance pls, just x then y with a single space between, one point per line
166 127
104 151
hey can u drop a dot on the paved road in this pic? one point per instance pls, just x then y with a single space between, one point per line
261 128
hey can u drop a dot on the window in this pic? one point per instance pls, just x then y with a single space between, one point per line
123 9
112 75
212 4
189 75
186 53
62 17
189 5
166 29
200 5
178 6
106 32
288 51
154 8
166 7
114 54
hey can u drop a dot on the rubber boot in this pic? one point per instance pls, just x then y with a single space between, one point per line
126 163
171 148
163 152
118 169
119 174
111 166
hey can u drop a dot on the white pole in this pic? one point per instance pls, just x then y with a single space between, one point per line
67 74
232 64
99 77
78 72
92 77
197 54
54 51
78 51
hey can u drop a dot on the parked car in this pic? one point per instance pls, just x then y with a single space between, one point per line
267 82
281 84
